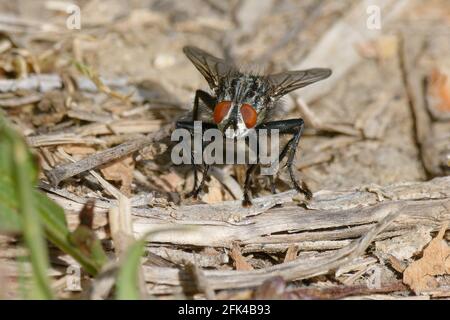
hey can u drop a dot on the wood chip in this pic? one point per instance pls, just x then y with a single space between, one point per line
239 261
291 253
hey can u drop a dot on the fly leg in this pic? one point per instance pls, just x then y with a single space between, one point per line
189 125
194 193
248 179
247 202
210 102
295 128
206 98
272 185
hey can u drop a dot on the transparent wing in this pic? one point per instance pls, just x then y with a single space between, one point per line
288 81
210 67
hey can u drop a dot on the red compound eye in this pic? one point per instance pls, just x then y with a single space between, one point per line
221 110
249 115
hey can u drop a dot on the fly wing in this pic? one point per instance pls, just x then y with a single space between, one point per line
285 82
210 67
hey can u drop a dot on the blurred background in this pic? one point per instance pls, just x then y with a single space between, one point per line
113 70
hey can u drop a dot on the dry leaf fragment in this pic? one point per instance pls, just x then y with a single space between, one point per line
438 94
239 260
120 170
419 275
215 192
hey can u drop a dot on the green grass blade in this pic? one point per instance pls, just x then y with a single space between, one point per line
127 284
127 287
50 215
55 224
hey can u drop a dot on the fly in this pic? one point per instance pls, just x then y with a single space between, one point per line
242 101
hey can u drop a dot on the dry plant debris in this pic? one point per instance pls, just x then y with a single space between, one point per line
421 274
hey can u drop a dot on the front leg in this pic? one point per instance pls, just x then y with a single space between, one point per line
210 102
246 202
206 98
294 127
189 125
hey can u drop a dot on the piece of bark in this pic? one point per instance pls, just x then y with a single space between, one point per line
349 216
20 101
294 270
63 172
291 253
239 260
120 222
407 245
181 257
